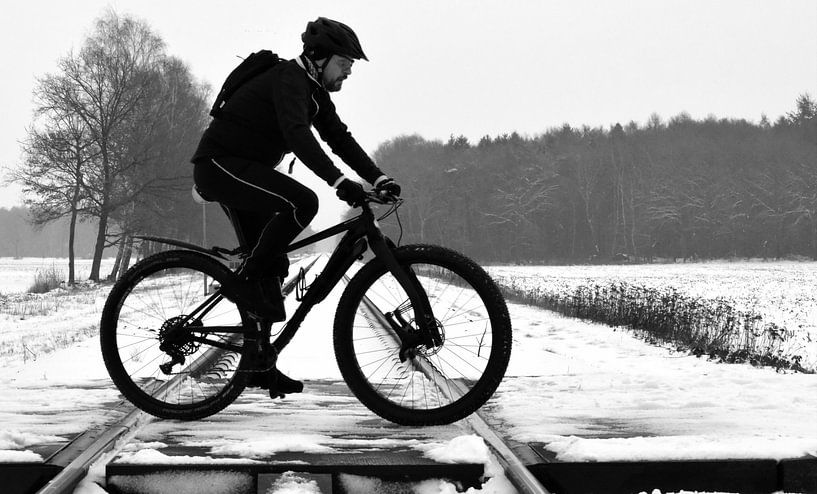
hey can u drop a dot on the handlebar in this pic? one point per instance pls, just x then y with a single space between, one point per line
381 197
375 196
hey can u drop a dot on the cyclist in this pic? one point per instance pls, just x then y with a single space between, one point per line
267 117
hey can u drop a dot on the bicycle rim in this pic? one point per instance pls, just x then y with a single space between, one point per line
148 302
431 384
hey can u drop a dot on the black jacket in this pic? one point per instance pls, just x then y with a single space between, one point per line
271 115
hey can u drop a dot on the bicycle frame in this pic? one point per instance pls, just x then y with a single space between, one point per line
362 232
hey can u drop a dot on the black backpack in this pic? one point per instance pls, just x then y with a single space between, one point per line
255 64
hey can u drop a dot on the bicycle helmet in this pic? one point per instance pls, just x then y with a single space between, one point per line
324 37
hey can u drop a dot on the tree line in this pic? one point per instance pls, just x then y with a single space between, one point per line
22 239
684 188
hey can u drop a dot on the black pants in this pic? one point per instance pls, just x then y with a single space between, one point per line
269 207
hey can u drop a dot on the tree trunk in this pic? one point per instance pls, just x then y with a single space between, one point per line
72 229
814 238
71 234
589 222
99 248
126 256
119 252
422 229
574 227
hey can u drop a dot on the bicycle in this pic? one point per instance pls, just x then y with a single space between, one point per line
421 335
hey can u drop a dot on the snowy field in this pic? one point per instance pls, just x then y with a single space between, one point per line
782 292
17 275
588 392
32 324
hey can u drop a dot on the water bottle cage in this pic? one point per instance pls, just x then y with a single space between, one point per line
300 286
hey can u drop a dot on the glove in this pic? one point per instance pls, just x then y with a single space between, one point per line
390 187
351 192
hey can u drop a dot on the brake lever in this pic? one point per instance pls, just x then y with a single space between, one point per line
382 197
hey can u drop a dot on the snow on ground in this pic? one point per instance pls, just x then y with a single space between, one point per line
593 393
753 284
18 274
189 482
782 292
588 392
31 325
54 398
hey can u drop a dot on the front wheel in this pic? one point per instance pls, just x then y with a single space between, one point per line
425 384
171 343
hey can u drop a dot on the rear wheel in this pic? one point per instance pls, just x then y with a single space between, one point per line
151 307
429 385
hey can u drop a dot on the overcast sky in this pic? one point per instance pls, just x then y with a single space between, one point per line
465 67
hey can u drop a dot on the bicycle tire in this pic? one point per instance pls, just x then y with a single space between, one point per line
359 333
151 294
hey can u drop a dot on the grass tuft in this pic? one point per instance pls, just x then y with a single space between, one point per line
46 280
710 327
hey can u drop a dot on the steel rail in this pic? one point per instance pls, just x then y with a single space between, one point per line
517 473
115 436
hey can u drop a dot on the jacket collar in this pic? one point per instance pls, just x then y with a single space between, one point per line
309 68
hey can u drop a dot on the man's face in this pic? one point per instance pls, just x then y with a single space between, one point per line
336 71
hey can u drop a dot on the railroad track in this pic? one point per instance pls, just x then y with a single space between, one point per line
514 468
101 445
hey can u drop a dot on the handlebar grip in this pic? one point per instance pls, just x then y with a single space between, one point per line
381 197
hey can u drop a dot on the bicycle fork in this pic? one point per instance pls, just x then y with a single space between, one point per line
429 332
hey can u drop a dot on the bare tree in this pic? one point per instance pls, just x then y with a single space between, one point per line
56 157
155 194
104 86
804 200
133 113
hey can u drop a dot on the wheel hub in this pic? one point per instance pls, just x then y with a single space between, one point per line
426 350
